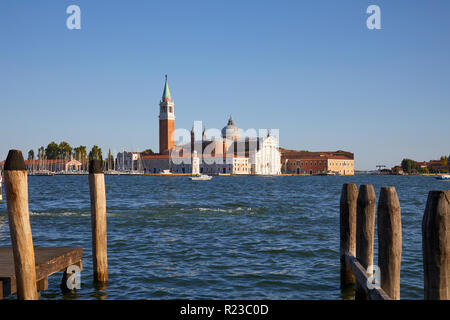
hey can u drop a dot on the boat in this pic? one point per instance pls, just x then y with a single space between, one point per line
443 177
43 173
201 177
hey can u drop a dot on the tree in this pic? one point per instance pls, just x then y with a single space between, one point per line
444 161
31 154
423 170
95 153
64 149
80 153
147 152
408 165
41 153
52 151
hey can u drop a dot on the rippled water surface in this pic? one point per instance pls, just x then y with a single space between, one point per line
228 238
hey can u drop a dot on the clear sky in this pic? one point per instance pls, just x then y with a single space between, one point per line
311 68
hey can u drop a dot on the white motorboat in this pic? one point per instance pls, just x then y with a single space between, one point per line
201 177
443 177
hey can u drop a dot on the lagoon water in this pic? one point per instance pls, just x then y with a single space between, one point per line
228 238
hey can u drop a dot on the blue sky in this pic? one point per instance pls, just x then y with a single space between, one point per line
309 68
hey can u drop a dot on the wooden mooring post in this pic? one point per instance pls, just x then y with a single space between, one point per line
1 192
347 221
435 243
16 187
365 229
24 269
389 241
98 219
436 246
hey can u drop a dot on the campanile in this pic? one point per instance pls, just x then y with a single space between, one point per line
166 121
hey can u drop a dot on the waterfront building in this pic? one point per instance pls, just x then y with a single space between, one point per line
266 160
438 166
128 161
229 154
51 165
159 162
302 162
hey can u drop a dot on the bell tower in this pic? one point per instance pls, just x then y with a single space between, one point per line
166 121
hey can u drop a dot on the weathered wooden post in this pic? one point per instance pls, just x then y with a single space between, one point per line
16 187
389 241
349 195
98 218
365 229
436 246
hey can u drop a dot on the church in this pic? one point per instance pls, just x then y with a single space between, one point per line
228 154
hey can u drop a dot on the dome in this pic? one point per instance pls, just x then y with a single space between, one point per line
230 131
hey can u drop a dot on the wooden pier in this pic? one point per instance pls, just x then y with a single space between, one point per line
48 260
24 269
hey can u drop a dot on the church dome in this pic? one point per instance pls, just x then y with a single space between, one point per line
230 131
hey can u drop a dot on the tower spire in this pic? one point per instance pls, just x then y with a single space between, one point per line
230 121
166 93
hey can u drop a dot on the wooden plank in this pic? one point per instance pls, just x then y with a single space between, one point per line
361 279
42 285
49 260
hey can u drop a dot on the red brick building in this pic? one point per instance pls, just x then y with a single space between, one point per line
301 162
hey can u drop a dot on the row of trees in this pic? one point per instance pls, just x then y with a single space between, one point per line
63 150
411 166
444 160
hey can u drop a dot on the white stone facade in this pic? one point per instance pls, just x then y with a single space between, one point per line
129 161
267 160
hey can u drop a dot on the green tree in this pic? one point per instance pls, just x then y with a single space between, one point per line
444 161
41 153
31 154
64 149
147 152
80 153
408 165
95 153
423 170
52 151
